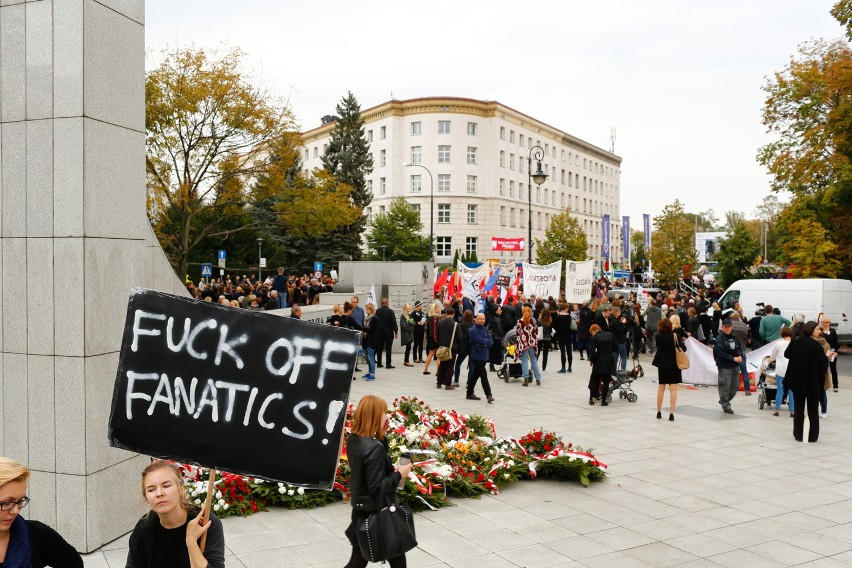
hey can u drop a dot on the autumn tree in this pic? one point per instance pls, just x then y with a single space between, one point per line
736 255
395 234
207 128
348 159
564 239
812 254
672 243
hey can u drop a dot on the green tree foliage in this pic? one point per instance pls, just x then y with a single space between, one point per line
564 239
672 243
736 255
705 221
811 252
808 111
842 12
637 248
347 158
395 235
207 127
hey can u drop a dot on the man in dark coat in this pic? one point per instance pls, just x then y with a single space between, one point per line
728 353
601 348
805 376
446 338
388 331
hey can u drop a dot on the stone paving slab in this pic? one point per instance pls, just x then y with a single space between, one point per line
708 489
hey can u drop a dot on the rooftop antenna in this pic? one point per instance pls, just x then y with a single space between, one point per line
612 140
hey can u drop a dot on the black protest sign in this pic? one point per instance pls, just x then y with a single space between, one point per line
244 391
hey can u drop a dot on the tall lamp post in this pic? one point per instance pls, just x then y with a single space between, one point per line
259 256
431 209
539 178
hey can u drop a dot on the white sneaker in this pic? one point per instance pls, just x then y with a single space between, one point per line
823 415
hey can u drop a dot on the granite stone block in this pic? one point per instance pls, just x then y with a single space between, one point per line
2 446
114 68
133 9
39 296
14 295
68 58
68 177
70 410
39 50
68 287
13 104
70 503
116 490
40 178
41 489
100 379
114 204
15 431
41 413
14 178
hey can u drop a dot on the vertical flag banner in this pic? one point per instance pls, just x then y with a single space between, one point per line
543 281
578 280
646 226
605 227
625 237
371 297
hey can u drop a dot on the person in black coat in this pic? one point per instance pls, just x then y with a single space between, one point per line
562 321
497 331
806 378
601 348
666 363
372 481
585 319
388 331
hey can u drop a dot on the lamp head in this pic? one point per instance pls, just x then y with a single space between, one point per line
539 176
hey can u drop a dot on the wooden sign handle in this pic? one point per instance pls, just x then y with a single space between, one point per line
205 512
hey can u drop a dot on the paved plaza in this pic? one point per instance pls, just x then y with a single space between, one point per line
708 489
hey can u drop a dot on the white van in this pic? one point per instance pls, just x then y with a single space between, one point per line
808 296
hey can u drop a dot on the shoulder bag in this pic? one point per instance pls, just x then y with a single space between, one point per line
680 355
446 353
386 533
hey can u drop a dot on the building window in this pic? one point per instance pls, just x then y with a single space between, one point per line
521 164
502 133
538 195
471 155
511 161
521 139
502 186
523 219
511 188
416 183
382 186
416 207
471 184
520 191
502 159
471 129
503 216
443 154
369 214
563 177
383 156
553 198
416 154
369 136
512 216
416 128
443 212
511 136
370 186
443 127
444 246
538 220
471 214
443 182
381 209
470 245
383 132
316 151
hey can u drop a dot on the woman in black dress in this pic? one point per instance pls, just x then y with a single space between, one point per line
806 378
666 364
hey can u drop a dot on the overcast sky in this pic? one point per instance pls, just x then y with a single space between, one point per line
680 80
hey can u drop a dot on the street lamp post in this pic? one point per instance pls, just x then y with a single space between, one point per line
259 256
431 209
539 178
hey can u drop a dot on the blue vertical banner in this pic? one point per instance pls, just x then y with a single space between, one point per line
625 238
646 226
605 227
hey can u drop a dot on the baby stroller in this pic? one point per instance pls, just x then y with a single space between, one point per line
766 385
509 369
622 382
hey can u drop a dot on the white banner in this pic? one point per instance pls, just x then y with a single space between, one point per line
467 274
578 280
543 281
702 367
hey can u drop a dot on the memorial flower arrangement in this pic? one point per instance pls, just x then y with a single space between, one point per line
454 455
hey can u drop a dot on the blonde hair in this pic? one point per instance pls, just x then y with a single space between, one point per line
434 310
11 471
370 308
370 415
675 319
406 309
176 474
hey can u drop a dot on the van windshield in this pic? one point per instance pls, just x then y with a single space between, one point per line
729 298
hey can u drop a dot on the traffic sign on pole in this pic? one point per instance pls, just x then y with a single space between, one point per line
206 270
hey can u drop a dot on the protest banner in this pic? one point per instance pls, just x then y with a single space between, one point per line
578 280
245 391
543 281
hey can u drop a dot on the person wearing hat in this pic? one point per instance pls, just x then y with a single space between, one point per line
728 354
419 320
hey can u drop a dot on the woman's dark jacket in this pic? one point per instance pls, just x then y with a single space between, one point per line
371 332
585 320
372 481
141 555
807 366
33 544
664 359
601 347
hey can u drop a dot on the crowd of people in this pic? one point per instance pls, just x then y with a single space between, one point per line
272 293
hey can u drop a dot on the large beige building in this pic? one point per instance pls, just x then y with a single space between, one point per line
474 157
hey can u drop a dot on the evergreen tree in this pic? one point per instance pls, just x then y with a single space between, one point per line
347 157
736 255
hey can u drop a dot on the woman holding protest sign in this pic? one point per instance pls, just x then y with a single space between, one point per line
373 481
168 535
27 543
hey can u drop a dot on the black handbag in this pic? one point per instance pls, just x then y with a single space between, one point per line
386 533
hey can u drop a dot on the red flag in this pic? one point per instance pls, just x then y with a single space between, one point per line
442 279
451 286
